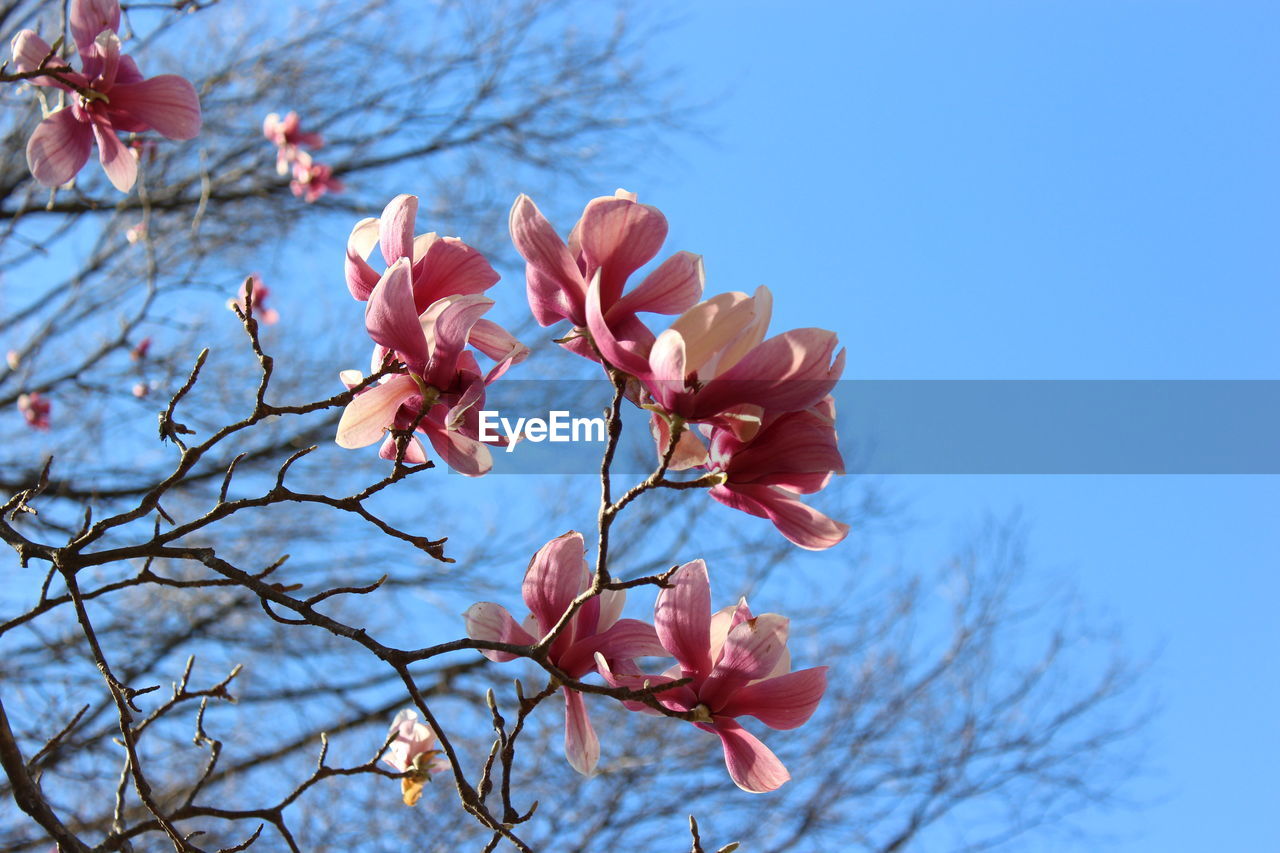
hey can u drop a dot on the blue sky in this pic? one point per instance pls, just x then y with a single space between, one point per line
1034 190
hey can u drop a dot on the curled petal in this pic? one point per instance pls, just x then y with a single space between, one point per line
752 766
799 522
373 411
581 746
395 228
671 288
555 284
59 148
499 344
682 617
624 354
787 373
492 623
784 702
626 640
361 279
618 236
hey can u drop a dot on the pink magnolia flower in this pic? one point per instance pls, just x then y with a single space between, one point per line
108 96
715 363
260 293
312 180
413 751
740 667
287 135
557 575
792 454
441 375
615 237
35 410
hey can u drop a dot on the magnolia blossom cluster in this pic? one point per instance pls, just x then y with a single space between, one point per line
310 179
108 96
764 416
423 313
737 663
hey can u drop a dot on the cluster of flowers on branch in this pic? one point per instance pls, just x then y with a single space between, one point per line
310 179
423 312
108 96
728 665
763 405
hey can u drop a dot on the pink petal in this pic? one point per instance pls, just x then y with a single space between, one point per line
785 702
682 617
752 766
29 50
788 372
711 326
167 104
670 289
492 623
627 675
463 454
117 161
392 320
800 523
373 411
625 355
361 279
88 18
448 324
626 640
618 236
555 284
690 451
751 651
448 266
395 229
499 344
59 147
556 574
413 452
798 450
581 746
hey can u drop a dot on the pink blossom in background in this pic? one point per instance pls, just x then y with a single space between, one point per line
557 575
740 667
261 312
110 96
413 751
136 232
35 409
13 358
312 180
795 453
614 237
287 135
141 389
140 349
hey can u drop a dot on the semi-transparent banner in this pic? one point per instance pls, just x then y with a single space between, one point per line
940 426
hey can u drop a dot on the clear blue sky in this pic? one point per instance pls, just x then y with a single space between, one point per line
1048 189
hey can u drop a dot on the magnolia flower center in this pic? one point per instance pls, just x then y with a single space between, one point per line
701 714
